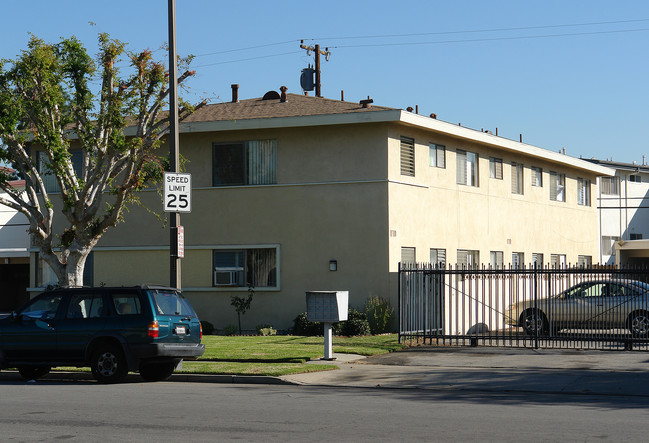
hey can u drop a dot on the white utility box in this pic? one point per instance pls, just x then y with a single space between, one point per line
327 307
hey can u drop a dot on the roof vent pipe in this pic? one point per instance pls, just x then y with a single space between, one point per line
342 95
235 93
366 103
521 137
416 109
433 116
409 109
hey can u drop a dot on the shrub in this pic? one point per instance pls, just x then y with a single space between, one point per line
230 330
267 331
380 314
356 324
208 328
261 326
302 326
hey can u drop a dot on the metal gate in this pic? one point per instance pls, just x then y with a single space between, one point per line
577 308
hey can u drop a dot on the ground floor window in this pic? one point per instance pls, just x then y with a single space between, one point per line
557 261
438 257
256 267
584 261
496 259
468 259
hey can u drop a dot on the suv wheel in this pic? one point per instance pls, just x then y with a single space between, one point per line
33 372
157 371
108 364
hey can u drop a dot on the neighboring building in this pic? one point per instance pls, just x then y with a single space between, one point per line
623 204
14 255
319 194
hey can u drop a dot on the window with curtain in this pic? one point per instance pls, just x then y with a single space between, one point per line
517 178
467 168
468 259
256 267
244 163
557 187
583 192
496 168
437 155
537 176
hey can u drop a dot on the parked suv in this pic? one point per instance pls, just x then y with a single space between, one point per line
149 329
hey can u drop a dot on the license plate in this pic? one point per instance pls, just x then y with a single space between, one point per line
180 330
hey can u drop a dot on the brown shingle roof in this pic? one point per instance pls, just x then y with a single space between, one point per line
295 105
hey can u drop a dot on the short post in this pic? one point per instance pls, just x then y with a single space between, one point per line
328 342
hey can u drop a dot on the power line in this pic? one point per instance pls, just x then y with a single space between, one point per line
246 48
522 28
246 59
526 37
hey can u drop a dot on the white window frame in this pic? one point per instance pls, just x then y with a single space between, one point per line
517 178
583 192
243 286
495 168
557 187
437 155
558 261
438 257
537 176
496 259
468 258
610 185
518 260
467 168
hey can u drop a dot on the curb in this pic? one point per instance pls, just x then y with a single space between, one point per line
134 378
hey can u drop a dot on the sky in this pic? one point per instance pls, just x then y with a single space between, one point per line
569 74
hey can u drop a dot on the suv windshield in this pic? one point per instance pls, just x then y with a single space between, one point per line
171 303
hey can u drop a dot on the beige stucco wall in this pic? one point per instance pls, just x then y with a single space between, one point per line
330 203
431 210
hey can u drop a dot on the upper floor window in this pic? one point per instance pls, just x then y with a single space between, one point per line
518 260
610 185
467 168
437 155
635 236
537 176
48 177
517 178
496 168
557 187
407 156
244 163
583 192
635 178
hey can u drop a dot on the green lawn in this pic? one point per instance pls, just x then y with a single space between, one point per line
280 354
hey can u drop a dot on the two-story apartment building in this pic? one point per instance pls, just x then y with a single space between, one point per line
309 193
623 204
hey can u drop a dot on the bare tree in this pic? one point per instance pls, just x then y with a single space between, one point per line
50 116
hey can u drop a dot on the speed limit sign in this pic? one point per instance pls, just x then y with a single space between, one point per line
177 192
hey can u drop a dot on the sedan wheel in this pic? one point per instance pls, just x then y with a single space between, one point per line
639 324
534 322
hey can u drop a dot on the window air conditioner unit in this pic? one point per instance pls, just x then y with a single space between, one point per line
226 277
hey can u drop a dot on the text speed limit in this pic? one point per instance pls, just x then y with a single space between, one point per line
177 192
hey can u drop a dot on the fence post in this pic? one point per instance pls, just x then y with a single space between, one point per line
536 308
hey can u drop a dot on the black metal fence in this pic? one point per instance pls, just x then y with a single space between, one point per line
578 308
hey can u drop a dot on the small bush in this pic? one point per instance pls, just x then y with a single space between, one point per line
267 331
356 324
259 327
208 328
380 314
302 326
230 330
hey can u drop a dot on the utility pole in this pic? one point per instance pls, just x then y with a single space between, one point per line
174 222
317 52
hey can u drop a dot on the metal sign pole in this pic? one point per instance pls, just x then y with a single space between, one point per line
174 222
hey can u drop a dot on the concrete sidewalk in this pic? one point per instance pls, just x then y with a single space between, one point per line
492 369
